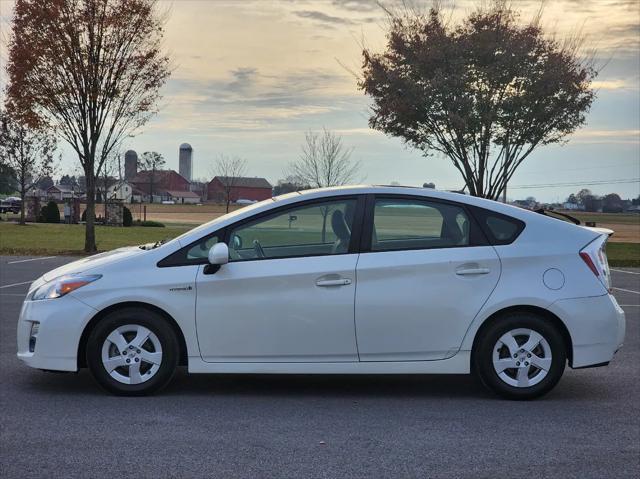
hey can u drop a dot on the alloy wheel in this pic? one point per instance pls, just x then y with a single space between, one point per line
131 354
522 357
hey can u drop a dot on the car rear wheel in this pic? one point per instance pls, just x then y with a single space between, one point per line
132 352
520 356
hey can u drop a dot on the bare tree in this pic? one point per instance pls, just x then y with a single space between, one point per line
90 68
229 169
151 162
109 176
27 152
324 161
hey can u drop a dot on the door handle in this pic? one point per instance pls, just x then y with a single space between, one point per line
333 282
470 271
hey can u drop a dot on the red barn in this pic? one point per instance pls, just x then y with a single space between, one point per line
255 189
163 180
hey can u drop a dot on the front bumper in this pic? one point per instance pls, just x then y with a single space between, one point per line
62 321
596 325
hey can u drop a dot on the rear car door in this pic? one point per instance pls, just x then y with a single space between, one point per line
424 273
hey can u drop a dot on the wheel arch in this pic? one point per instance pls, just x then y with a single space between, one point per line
498 315
81 355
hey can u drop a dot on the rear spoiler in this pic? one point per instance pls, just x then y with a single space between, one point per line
589 225
549 213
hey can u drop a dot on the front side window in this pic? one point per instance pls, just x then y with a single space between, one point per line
400 224
311 230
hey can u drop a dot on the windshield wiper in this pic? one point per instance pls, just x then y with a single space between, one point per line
149 246
549 213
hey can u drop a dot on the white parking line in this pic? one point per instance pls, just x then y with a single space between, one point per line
30 259
623 271
15 284
627 290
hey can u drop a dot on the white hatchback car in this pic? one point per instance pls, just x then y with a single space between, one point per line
353 280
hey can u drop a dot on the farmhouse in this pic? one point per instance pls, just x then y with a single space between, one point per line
242 188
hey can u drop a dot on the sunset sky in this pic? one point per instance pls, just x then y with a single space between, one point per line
251 76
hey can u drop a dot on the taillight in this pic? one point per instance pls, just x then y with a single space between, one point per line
595 257
587 259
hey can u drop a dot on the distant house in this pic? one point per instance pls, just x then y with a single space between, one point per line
572 206
181 197
161 181
254 189
61 192
122 191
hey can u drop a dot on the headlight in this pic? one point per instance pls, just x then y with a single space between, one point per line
62 285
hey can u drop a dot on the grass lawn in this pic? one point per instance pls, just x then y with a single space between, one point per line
623 254
55 239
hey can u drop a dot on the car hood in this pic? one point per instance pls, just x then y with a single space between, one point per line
95 261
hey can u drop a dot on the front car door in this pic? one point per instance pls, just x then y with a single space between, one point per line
424 273
288 291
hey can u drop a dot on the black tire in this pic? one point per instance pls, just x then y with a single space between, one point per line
483 355
140 317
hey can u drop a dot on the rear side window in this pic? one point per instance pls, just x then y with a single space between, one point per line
500 229
405 224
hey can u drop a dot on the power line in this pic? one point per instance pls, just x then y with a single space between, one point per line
576 183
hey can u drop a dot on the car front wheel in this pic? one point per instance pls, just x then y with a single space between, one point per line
520 356
132 352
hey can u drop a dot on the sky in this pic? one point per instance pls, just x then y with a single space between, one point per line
250 77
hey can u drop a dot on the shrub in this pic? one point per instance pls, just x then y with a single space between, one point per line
127 219
153 224
49 213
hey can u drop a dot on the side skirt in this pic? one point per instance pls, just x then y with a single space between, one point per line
458 364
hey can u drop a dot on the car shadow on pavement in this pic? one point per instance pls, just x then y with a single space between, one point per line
319 386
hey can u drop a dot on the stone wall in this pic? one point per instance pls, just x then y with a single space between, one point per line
32 208
113 213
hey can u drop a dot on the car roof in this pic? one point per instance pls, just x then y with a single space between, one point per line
402 191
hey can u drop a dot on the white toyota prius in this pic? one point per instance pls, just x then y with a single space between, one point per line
352 280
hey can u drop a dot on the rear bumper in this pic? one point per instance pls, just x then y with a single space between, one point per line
596 326
61 321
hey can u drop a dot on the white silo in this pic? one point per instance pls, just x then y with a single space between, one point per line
185 161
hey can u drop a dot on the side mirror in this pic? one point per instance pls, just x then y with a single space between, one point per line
219 254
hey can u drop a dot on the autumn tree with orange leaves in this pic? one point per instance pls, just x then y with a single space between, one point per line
90 69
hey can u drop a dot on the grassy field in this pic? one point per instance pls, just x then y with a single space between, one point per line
623 254
52 239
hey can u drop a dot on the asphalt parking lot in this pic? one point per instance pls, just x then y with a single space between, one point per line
63 425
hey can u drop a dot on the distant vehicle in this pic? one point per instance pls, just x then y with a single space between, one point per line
245 202
10 205
168 202
351 280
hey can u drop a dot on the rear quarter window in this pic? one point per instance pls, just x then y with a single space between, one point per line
500 229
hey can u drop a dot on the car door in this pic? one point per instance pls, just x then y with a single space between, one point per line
424 273
288 291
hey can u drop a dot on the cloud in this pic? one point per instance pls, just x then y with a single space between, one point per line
357 5
247 99
328 20
615 84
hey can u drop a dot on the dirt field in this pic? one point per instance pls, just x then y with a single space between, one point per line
626 226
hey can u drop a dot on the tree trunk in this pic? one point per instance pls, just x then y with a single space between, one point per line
90 230
23 196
